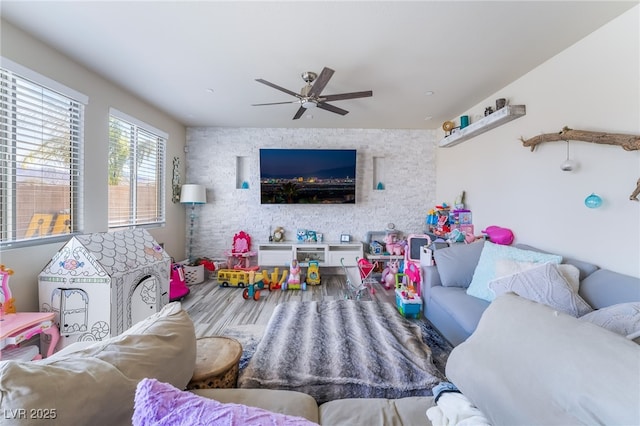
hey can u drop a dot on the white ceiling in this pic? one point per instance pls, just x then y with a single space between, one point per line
173 54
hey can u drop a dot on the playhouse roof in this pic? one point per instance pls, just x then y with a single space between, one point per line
107 253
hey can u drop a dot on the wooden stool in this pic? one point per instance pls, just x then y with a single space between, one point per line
216 363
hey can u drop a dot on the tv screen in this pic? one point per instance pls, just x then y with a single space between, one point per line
308 176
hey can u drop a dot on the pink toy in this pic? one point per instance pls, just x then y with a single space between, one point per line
177 286
499 235
294 273
239 257
389 274
392 245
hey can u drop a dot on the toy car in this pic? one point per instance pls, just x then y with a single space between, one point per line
237 278
313 273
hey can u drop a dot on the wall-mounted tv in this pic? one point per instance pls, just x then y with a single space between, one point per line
308 176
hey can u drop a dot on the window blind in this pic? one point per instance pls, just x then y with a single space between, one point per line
136 172
41 156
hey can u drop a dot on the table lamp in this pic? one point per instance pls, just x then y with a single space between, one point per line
192 194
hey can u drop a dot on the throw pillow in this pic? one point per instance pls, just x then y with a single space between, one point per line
158 403
623 318
457 263
543 284
506 267
486 269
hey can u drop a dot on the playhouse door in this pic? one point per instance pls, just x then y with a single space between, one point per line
143 300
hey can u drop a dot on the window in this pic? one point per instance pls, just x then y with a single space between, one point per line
41 143
136 172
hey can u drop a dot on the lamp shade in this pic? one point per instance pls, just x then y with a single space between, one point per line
193 194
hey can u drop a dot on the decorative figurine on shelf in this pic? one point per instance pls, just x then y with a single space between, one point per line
488 111
278 234
392 245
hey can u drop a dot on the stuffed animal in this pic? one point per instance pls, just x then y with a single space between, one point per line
389 274
392 245
278 234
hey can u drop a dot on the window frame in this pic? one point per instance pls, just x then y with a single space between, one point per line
162 138
8 170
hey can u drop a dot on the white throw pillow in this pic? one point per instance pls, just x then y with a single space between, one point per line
506 267
486 269
623 318
543 284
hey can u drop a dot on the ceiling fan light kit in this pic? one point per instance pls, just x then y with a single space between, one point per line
309 96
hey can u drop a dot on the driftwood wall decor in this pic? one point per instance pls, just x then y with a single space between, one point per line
627 142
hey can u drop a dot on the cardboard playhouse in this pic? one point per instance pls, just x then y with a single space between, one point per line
101 284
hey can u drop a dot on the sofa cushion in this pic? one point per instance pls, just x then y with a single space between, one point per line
605 288
543 284
528 364
585 268
96 384
158 403
278 401
465 310
486 269
457 263
376 411
623 319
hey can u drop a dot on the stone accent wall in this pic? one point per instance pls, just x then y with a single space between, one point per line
406 158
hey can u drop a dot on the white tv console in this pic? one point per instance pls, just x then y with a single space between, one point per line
327 254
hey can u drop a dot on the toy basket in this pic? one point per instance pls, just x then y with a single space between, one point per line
193 274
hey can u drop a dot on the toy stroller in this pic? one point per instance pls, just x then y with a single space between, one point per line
356 286
366 270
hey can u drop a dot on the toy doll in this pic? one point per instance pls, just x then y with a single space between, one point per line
294 273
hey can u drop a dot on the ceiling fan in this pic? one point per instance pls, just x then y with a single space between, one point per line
309 96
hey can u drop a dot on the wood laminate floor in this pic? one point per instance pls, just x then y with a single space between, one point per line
213 309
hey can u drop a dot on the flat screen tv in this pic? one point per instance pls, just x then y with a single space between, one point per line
308 176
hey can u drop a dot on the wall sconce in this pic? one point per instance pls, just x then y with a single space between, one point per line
192 194
568 165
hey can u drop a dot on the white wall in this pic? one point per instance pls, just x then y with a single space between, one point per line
593 85
27 51
409 169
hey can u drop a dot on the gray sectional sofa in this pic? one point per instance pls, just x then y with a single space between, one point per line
539 367
456 314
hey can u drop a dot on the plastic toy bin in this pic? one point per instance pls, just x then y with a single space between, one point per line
193 274
408 307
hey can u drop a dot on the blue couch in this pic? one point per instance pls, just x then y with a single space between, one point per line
456 314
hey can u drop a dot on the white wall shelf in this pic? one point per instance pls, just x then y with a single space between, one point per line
498 118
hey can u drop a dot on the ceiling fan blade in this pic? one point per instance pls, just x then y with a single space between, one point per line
299 113
332 108
321 82
352 95
275 86
276 103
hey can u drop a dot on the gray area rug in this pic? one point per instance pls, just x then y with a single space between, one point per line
342 349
